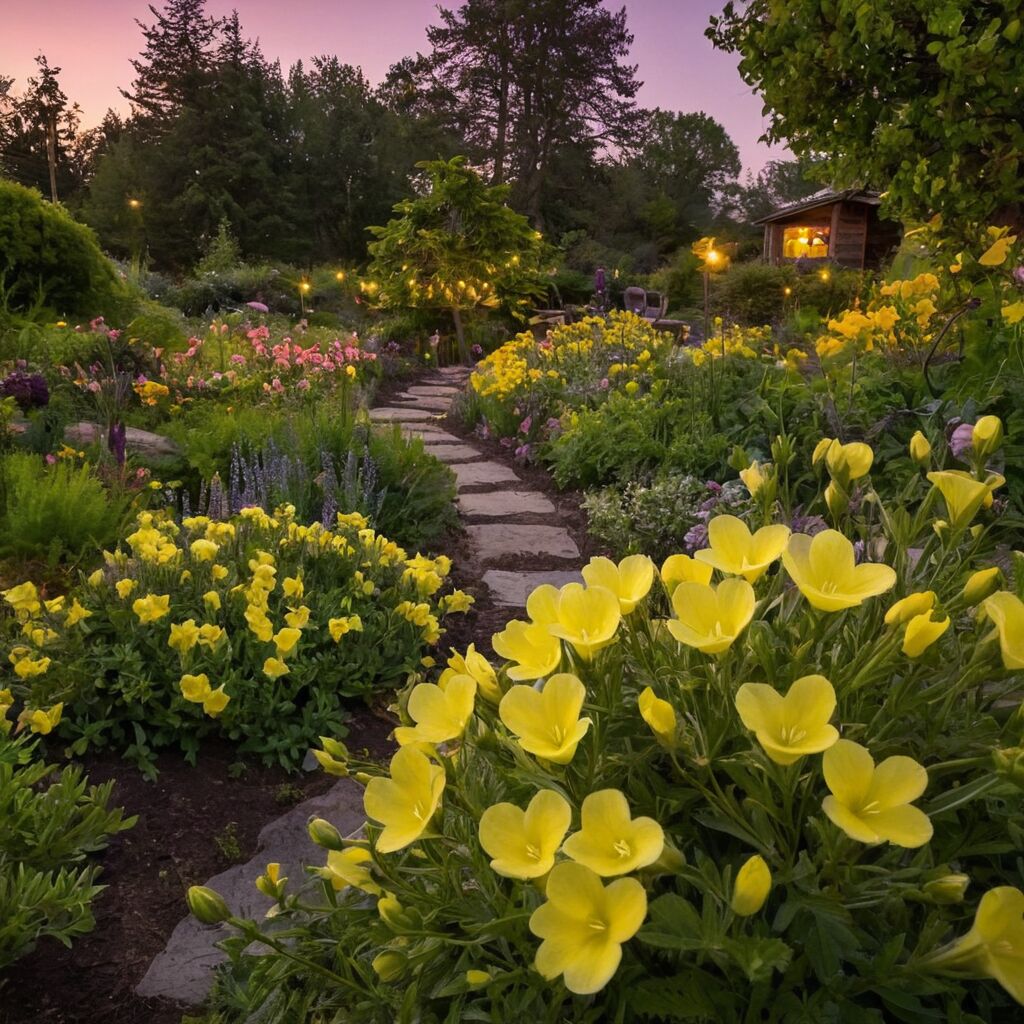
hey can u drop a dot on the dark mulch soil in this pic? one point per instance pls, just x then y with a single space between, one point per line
147 870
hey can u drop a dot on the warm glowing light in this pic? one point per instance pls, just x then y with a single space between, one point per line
339 276
304 287
134 203
825 275
787 291
713 256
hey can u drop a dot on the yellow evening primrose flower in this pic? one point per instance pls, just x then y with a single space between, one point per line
610 841
987 436
994 946
824 569
95 578
350 868
274 668
204 550
523 844
152 607
405 802
293 588
29 668
24 599
753 478
752 886
441 713
547 722
42 721
910 606
964 496
259 623
346 624
210 635
456 602
124 588
982 584
534 651
588 618
791 726
297 618
873 804
1006 611
678 569
474 664
218 572
709 618
212 600
583 925
920 448
196 689
995 255
660 717
1013 312
76 613
922 631
542 605
737 552
630 580
183 636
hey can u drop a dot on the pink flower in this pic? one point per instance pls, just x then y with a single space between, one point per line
259 307
961 439
94 386
604 384
524 427
51 459
276 385
303 385
238 360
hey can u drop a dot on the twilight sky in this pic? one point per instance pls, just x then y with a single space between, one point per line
93 40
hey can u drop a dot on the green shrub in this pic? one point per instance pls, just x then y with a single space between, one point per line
50 265
58 513
52 819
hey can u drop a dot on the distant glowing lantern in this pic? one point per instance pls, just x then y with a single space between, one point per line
826 276
135 203
339 276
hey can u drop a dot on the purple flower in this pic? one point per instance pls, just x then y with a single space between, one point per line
507 442
259 307
524 427
604 384
1018 275
116 441
523 452
28 390
696 537
714 487
961 439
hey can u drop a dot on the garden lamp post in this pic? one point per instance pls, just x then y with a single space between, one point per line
304 288
711 259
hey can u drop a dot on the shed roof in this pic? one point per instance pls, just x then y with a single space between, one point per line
823 198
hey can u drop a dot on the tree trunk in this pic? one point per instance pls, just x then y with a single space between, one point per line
460 336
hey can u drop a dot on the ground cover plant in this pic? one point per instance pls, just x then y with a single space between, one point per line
254 628
782 776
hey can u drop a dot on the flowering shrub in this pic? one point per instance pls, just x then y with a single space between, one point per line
781 779
251 628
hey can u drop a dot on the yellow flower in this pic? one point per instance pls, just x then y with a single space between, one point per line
845 462
297 617
629 581
534 650
456 602
95 578
588 618
346 624
910 606
474 664
274 668
753 478
218 572
40 721
204 550
736 552
920 448
678 569
994 946
873 804
523 844
441 713
28 668
1013 313
348 867
995 255
708 618
405 802
753 884
124 588
583 925
210 635
183 636
790 726
293 588
547 722
922 631
981 584
660 716
24 599
259 623
76 613
1006 611
964 496
987 436
196 689
152 607
824 570
610 842
212 600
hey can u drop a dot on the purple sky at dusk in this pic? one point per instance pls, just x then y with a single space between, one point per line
93 40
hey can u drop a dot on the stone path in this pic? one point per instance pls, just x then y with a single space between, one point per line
508 526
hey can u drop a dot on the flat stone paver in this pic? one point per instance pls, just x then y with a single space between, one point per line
505 540
432 391
432 435
483 474
401 413
451 452
511 589
434 404
183 972
498 504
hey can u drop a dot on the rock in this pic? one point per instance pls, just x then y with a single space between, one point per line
183 972
419 402
499 504
451 452
430 434
138 442
432 391
507 540
401 414
511 589
483 474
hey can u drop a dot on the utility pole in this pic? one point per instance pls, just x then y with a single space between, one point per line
51 152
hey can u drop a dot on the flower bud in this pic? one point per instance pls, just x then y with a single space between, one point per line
389 965
837 500
324 834
982 584
987 436
922 631
909 607
753 478
821 450
329 764
947 889
920 449
271 884
1009 763
660 716
753 883
397 917
206 905
478 979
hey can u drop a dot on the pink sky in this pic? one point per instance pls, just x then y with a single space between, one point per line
93 41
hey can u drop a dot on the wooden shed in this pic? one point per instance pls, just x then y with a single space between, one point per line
839 227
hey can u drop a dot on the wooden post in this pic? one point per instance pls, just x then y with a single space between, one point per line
51 153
